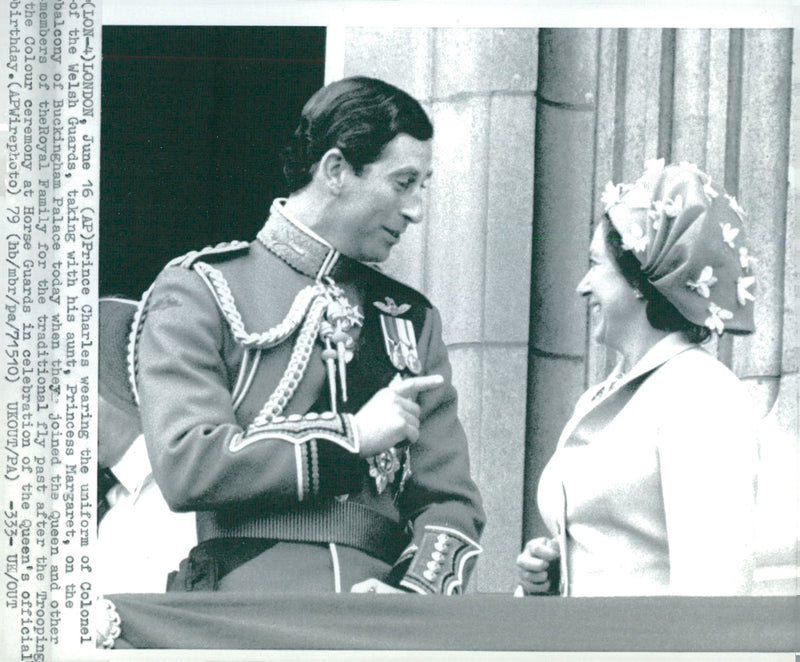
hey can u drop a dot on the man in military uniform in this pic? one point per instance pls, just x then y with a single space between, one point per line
298 399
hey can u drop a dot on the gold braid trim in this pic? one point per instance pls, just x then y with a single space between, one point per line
293 375
133 341
308 309
184 261
271 337
296 370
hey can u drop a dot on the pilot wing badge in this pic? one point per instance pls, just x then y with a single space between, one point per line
399 336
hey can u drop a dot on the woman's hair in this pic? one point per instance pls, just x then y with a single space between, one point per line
359 115
660 312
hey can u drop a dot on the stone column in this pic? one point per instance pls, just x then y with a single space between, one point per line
563 209
769 360
763 160
472 256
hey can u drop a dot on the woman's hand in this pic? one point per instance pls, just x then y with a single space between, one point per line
538 565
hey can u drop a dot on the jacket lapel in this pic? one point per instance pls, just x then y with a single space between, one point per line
600 411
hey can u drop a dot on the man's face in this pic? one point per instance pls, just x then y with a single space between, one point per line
376 207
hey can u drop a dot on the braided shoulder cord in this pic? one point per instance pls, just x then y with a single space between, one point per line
141 310
301 354
133 341
271 337
308 309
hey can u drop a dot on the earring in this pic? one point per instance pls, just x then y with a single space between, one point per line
637 293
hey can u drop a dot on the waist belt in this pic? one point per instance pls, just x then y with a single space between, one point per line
344 523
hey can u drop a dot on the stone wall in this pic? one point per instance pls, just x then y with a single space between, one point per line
472 256
530 125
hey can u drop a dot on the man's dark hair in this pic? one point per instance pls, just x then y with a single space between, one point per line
359 115
660 312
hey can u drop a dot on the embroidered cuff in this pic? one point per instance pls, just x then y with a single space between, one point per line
297 429
401 565
321 468
439 564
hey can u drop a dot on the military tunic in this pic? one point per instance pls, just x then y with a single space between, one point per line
247 386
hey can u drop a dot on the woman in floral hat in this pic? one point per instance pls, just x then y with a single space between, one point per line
651 490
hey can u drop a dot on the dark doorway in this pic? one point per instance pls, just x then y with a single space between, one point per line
193 120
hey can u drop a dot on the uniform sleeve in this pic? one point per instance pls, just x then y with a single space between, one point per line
440 500
708 459
202 459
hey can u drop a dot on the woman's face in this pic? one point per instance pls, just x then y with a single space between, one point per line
616 311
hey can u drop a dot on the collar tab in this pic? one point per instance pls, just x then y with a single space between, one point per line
298 245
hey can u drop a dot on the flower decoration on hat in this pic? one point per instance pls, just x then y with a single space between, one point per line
735 206
611 195
745 259
704 283
742 293
688 235
729 234
672 207
635 238
716 320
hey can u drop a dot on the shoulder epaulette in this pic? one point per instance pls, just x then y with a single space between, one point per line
187 261
225 248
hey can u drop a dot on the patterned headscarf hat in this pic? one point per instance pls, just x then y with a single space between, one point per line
688 235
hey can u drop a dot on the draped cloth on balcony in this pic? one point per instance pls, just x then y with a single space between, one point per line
471 622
